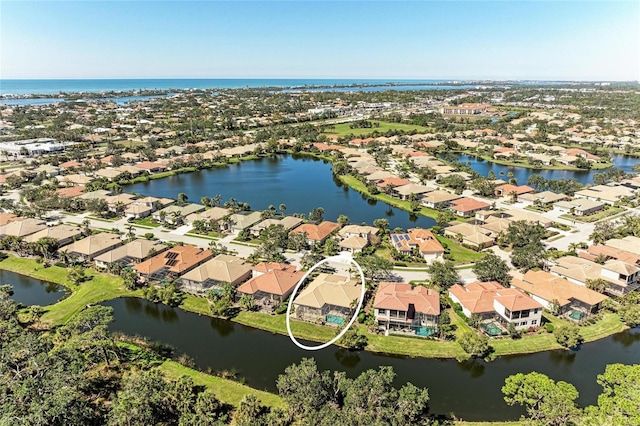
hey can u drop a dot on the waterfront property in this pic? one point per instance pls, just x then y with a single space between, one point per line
215 273
92 246
271 284
316 234
172 263
400 308
288 223
328 298
22 228
493 302
621 277
131 253
63 234
559 295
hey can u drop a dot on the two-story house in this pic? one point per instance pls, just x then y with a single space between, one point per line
398 307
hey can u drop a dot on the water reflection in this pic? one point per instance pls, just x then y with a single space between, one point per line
347 358
133 304
562 357
629 338
475 367
222 327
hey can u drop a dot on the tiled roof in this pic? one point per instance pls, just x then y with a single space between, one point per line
399 296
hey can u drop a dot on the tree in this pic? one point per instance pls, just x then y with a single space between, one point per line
598 284
526 240
602 232
247 302
619 402
567 335
316 214
547 402
443 274
475 344
352 339
483 187
382 224
182 198
343 220
130 278
373 267
492 268
444 217
76 274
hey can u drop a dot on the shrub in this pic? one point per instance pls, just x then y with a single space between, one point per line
549 327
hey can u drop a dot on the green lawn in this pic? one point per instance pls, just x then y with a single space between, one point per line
343 129
99 288
147 221
593 217
460 254
227 391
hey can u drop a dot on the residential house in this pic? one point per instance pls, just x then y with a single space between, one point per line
8 218
174 211
131 253
316 234
214 213
559 294
609 194
621 277
404 191
92 246
467 207
271 284
492 301
63 234
328 298
418 239
628 243
403 308
22 228
213 274
579 206
288 223
438 199
507 189
244 220
470 235
543 198
596 250
172 263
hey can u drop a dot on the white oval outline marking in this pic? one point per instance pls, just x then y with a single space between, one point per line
353 319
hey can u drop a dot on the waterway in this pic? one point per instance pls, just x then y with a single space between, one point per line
471 390
31 291
301 183
522 174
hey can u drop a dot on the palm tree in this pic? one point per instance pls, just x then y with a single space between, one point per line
131 235
282 208
215 201
182 198
85 228
205 201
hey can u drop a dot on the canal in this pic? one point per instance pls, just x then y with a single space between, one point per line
31 291
470 390
522 174
301 183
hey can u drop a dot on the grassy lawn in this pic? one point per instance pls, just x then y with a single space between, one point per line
528 344
460 254
227 391
525 164
343 129
594 217
147 221
100 288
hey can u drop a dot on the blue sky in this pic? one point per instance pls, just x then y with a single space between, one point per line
584 40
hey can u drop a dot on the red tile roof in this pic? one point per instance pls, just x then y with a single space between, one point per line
468 204
400 296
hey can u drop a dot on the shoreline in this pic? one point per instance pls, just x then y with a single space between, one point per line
600 166
392 345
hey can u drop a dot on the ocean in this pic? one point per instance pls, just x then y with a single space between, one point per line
52 87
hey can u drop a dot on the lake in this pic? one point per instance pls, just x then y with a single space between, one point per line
31 291
471 390
522 174
301 183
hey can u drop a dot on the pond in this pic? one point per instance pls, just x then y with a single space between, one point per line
31 291
301 183
471 390
522 174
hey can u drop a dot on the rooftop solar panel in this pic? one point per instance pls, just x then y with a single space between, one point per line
172 263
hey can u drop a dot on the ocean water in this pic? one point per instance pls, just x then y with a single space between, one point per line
49 87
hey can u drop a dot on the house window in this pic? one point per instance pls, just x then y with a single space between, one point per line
535 311
393 313
534 322
523 323
382 312
524 314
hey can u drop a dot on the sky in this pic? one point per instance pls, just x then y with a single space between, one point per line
557 40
